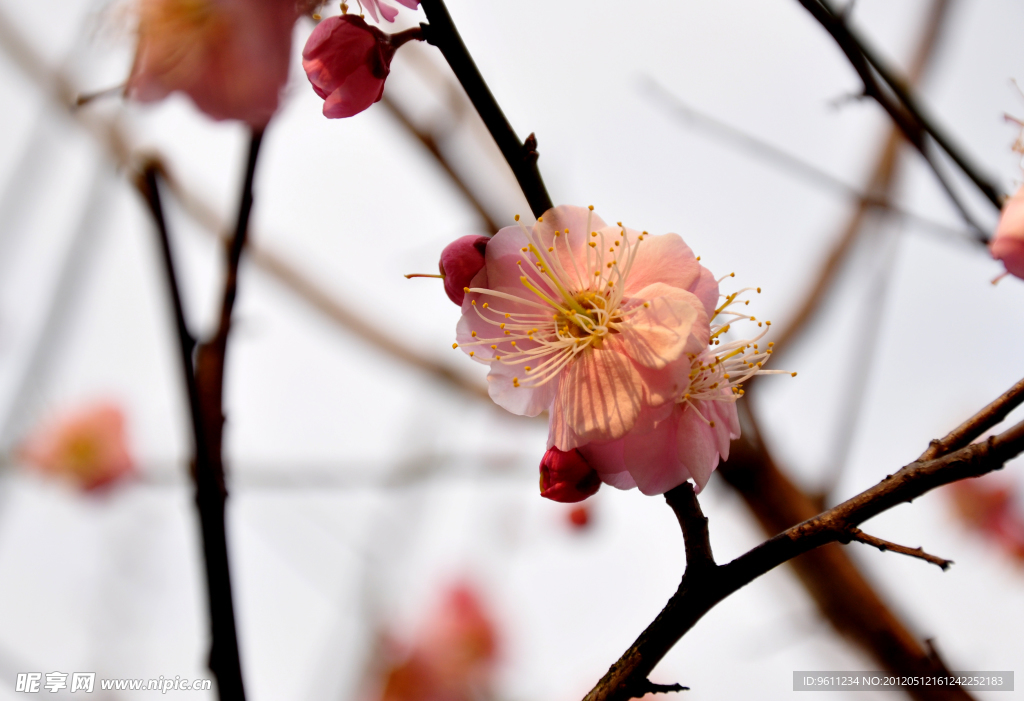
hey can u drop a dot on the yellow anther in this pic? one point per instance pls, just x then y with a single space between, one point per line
758 290
590 207
472 353
524 249
616 243
502 325
550 248
609 265
473 334
611 250
486 305
647 305
768 323
455 345
494 348
732 274
513 343
712 424
618 223
465 289
792 374
528 368
473 302
593 233
597 273
517 217
497 357
593 244
698 258
540 218
771 343
610 283
507 333
316 17
507 316
515 381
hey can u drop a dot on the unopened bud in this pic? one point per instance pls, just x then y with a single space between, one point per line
460 261
566 476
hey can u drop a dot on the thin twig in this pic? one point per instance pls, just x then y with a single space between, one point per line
699 594
520 156
904 115
868 198
973 427
884 545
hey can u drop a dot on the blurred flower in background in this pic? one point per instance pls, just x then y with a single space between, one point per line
451 659
1008 243
87 447
230 56
987 506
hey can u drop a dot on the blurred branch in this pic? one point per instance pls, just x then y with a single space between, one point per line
880 185
869 198
521 157
428 140
207 465
899 102
700 590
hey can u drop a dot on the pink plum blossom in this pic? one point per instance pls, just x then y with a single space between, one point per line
452 658
87 447
387 11
347 62
230 56
610 331
566 476
460 261
1008 243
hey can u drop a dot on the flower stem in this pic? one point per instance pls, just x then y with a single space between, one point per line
521 158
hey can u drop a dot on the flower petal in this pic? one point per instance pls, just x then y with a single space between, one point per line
657 332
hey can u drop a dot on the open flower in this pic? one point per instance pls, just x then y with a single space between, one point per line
1008 243
387 11
347 62
590 322
87 447
230 56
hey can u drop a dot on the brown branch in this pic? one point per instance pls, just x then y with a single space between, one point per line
985 419
884 545
694 525
697 594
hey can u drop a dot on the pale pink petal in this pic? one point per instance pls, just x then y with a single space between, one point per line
598 397
664 259
657 332
522 401
604 456
652 458
706 290
619 480
697 446
411 4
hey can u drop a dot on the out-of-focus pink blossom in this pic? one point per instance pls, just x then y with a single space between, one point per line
230 56
453 657
461 260
347 62
1008 243
989 508
87 447
610 331
387 11
565 476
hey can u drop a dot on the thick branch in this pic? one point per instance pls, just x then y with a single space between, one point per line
696 596
694 524
884 545
441 32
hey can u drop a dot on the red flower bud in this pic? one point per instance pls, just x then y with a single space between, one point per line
347 61
567 477
461 260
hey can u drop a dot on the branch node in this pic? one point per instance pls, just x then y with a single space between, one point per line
530 154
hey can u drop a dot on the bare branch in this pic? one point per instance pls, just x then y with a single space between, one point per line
982 421
694 524
699 594
884 545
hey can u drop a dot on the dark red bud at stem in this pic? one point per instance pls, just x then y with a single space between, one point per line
460 261
566 476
